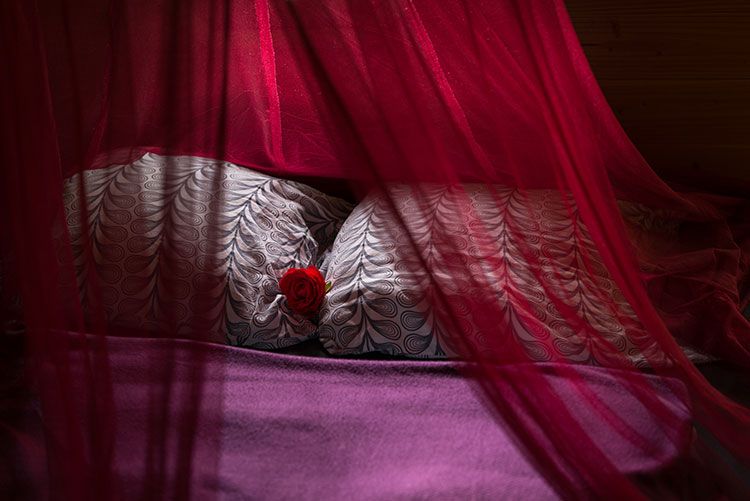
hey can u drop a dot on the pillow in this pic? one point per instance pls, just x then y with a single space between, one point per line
381 300
157 224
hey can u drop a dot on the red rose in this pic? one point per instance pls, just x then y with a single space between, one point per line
304 289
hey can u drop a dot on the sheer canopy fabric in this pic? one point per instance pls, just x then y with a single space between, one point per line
351 96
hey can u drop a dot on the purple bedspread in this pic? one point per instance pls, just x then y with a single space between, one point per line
290 427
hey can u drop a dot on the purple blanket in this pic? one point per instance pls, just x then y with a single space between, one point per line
280 426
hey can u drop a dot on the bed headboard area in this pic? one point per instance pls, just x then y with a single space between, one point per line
677 75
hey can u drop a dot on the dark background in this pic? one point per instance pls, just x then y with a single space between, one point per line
677 74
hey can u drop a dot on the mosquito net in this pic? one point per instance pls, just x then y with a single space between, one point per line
521 222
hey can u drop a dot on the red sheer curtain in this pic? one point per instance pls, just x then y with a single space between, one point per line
365 94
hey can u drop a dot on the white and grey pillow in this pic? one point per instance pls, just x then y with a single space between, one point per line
383 299
199 245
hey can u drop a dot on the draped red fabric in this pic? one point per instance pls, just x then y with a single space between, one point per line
354 96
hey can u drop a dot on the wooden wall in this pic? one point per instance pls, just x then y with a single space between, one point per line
677 74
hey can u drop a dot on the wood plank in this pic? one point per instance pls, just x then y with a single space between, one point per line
721 168
710 112
664 39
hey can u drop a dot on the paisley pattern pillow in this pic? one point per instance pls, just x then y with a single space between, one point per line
382 301
198 246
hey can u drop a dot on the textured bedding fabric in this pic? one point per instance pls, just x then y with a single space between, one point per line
211 237
276 426
381 300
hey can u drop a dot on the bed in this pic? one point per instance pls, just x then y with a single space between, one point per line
279 426
315 417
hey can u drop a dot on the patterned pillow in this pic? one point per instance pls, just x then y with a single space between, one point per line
382 301
205 241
